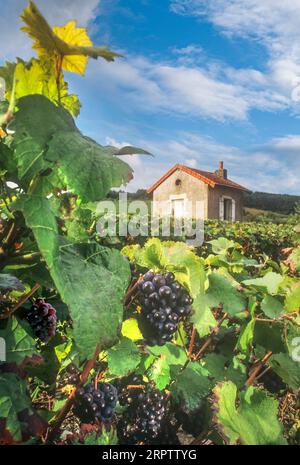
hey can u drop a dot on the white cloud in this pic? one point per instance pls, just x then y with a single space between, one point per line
272 168
217 92
57 12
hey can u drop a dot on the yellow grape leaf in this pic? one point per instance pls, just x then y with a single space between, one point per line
37 77
67 41
2 133
29 80
75 36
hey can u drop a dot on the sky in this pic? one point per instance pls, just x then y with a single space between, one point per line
200 81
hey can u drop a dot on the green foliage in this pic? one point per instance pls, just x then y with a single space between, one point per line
19 344
254 422
191 387
123 358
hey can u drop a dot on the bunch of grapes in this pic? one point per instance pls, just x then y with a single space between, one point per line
95 403
164 303
42 319
146 416
69 376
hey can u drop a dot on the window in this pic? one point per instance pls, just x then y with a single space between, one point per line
227 209
178 182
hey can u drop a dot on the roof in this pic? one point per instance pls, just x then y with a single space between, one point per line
212 179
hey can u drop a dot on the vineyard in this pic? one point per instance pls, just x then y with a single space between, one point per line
116 341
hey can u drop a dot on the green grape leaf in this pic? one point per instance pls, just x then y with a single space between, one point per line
123 358
168 357
287 368
191 387
246 337
91 279
47 138
177 257
90 170
270 282
269 337
129 150
221 245
10 283
222 368
203 317
222 291
253 422
34 125
18 420
292 299
20 345
272 307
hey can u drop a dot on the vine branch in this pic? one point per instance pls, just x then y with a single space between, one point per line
61 415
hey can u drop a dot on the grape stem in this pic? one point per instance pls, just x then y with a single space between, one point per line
192 342
257 369
210 339
21 302
131 290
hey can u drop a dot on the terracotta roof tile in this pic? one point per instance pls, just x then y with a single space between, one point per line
212 179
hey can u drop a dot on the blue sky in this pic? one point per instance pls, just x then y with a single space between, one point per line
201 81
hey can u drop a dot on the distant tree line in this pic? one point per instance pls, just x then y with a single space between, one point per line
279 203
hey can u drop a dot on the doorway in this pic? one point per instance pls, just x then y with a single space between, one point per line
178 208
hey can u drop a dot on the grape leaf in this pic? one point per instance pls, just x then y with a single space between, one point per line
177 257
246 337
253 422
272 307
90 171
221 245
223 368
130 329
91 279
10 283
128 150
37 77
17 418
292 299
70 43
46 137
168 357
34 125
191 386
221 291
123 358
269 282
19 344
287 368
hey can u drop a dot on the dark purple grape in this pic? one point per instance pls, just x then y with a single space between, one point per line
148 287
148 276
170 278
165 291
158 281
